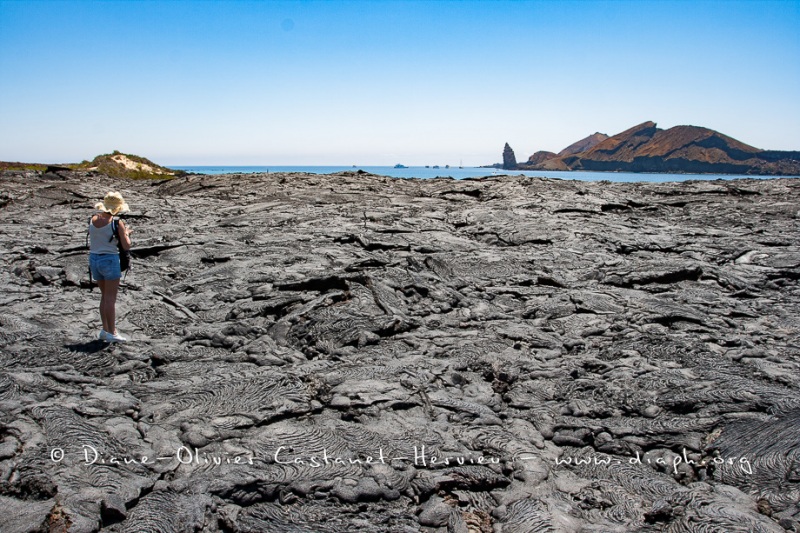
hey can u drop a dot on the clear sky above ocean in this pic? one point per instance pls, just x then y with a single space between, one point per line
378 83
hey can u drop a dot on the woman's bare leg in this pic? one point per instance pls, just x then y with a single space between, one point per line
112 286
102 285
108 303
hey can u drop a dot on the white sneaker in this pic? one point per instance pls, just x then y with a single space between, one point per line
116 337
104 336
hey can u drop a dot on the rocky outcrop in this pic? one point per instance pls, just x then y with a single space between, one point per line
509 159
541 157
359 353
121 165
115 164
584 144
681 149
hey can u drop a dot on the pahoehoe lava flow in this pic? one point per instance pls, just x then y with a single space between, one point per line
353 352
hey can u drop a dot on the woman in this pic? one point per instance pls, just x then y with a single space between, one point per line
104 260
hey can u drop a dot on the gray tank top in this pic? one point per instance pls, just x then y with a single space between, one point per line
100 241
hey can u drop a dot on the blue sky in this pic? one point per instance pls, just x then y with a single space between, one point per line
377 83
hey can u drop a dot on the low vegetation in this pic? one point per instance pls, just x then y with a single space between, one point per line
9 165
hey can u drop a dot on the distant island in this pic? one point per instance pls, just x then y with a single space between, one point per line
646 148
643 148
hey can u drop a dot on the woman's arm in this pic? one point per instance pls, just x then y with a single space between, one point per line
123 233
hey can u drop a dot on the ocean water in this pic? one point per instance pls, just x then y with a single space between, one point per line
467 172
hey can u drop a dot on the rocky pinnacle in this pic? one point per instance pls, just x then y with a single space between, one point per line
509 159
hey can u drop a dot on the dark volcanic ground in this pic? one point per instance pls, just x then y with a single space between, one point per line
511 324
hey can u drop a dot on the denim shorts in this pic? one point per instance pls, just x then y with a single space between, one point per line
104 267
